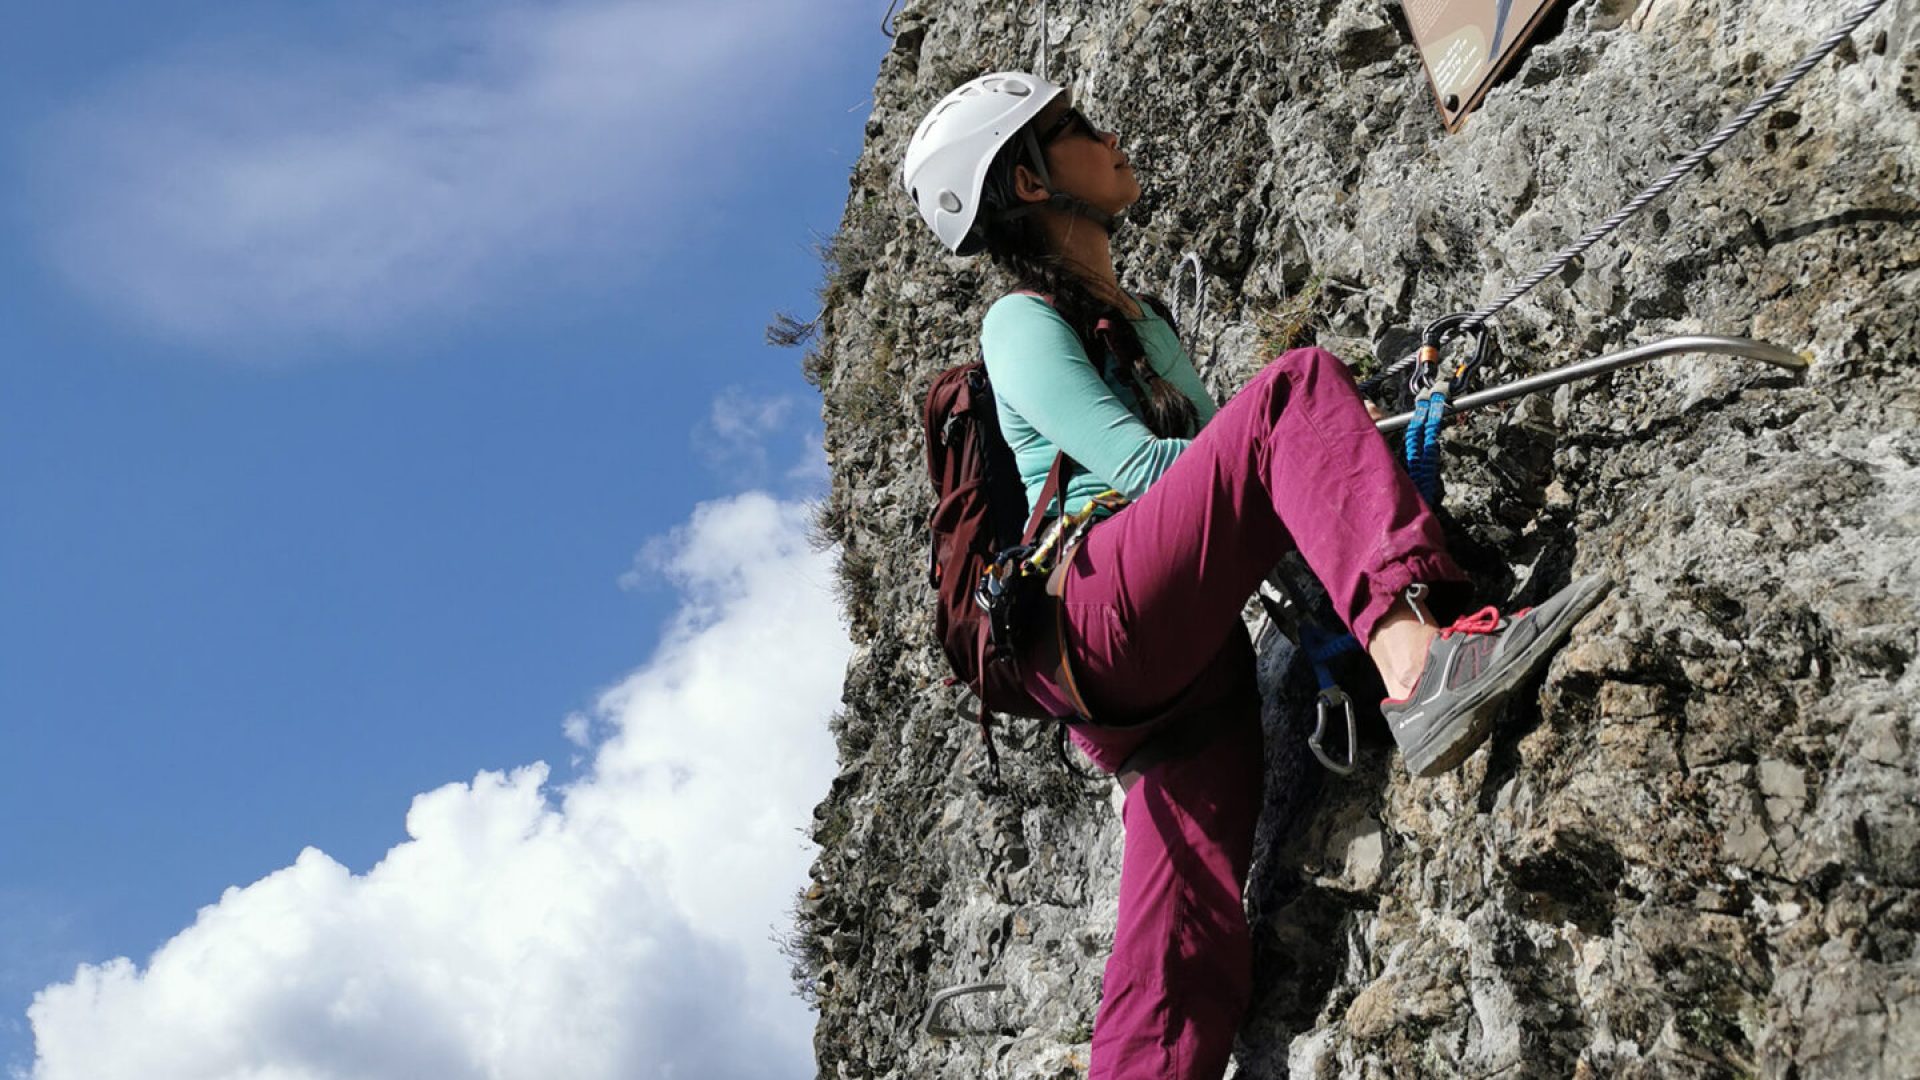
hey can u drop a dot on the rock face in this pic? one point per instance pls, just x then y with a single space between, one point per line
1694 850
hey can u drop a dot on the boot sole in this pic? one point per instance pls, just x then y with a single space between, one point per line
1449 744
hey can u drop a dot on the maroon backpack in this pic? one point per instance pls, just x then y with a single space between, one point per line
980 519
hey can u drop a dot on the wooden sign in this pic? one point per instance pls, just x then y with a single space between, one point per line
1466 44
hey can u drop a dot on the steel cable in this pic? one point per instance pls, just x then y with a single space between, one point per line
1474 321
1680 169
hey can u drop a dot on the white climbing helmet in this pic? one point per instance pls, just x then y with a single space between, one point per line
947 159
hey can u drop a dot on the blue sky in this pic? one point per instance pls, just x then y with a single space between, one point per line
384 406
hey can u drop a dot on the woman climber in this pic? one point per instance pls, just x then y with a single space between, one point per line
1151 600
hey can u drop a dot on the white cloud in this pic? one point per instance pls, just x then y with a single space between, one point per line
738 414
734 439
812 472
617 927
256 193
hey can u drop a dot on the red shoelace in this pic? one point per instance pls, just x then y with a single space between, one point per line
1484 621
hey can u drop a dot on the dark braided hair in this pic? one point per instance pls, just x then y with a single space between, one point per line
1018 244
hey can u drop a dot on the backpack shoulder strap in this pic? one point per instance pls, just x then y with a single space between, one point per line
1159 307
1055 489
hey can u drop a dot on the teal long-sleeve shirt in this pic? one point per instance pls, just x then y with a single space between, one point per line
1051 398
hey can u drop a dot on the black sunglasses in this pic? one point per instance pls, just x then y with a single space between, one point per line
1071 122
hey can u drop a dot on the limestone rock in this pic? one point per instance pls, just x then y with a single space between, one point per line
1694 848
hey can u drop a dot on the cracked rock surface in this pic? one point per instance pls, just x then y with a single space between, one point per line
1693 848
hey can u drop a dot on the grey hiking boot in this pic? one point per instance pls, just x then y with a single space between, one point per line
1471 668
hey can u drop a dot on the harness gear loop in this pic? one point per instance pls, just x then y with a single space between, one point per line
1066 532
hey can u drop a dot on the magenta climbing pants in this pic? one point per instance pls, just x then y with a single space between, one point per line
1153 629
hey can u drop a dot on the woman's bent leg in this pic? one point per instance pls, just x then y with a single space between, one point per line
1178 982
1152 606
1293 461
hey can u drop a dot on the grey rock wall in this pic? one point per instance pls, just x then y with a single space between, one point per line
1695 851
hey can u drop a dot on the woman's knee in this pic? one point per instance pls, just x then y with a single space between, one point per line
1304 363
1295 370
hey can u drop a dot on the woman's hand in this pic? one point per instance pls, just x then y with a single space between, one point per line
1373 410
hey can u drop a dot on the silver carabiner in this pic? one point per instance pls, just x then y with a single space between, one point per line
1331 699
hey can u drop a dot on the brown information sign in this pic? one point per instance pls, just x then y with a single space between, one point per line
1467 43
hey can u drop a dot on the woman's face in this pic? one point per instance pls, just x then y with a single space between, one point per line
1085 162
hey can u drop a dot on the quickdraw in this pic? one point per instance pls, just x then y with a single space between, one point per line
1322 648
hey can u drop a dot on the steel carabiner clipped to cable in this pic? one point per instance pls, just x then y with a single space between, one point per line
1444 331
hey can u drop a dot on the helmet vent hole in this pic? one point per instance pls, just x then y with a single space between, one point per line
949 202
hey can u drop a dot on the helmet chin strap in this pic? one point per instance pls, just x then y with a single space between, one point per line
1056 199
